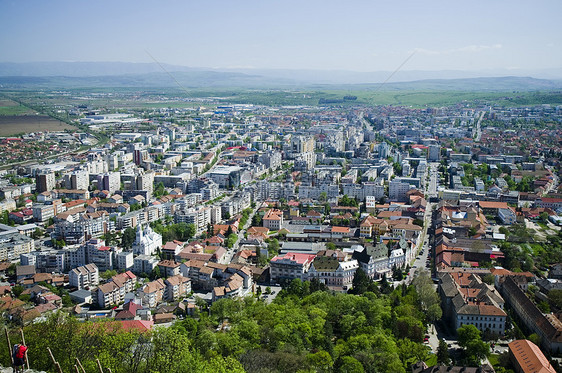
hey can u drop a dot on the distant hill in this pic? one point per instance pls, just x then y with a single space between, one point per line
152 75
504 83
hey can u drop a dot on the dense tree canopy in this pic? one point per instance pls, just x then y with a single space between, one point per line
305 329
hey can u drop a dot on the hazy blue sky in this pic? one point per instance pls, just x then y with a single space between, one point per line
318 34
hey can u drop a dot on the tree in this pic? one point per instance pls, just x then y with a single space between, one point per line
128 237
17 290
231 240
273 246
320 361
474 348
108 274
555 297
397 274
434 312
37 234
155 274
360 282
384 285
428 298
418 222
191 231
443 353
330 246
348 364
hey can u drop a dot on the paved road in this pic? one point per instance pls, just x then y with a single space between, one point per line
478 134
433 179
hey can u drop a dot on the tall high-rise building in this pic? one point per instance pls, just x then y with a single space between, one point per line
45 182
384 150
302 144
145 182
78 180
434 152
110 181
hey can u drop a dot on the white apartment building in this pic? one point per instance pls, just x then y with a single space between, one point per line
84 277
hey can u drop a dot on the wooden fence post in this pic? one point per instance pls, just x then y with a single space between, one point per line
27 354
9 346
54 361
80 365
99 365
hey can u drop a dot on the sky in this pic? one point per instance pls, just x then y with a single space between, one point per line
354 35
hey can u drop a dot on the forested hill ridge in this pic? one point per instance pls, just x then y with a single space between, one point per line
304 330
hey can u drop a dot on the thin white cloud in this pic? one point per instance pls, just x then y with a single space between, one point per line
466 49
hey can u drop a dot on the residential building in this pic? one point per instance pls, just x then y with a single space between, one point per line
548 327
113 292
125 260
153 292
42 213
84 277
13 244
177 287
169 268
507 216
45 182
144 264
110 181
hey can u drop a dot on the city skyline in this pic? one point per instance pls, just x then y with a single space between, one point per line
327 35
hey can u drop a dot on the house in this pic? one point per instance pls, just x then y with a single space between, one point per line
129 312
555 271
23 272
491 208
81 296
171 249
273 219
340 232
162 318
547 202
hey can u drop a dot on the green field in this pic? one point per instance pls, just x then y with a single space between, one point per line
14 110
9 107
137 100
